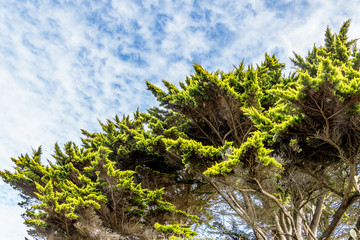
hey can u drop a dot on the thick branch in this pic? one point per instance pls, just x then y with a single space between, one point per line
307 228
280 229
239 211
280 205
284 224
250 220
337 216
249 203
317 214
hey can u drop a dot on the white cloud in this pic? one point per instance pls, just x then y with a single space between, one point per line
11 226
64 65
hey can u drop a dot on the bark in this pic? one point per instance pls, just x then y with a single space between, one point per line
337 216
281 207
280 230
298 223
259 234
248 203
284 224
317 214
240 211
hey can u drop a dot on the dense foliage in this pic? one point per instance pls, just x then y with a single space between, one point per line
275 154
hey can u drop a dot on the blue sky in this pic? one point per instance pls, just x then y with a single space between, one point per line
66 64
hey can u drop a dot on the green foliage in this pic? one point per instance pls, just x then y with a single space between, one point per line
178 229
84 179
275 150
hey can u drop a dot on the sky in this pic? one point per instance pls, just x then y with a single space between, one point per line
65 65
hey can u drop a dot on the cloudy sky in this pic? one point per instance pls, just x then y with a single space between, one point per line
66 64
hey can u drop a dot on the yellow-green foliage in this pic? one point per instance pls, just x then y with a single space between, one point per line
252 121
83 178
177 229
255 142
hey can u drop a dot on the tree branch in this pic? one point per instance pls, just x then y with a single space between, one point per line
338 215
280 205
317 214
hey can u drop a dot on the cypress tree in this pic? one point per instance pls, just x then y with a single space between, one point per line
280 153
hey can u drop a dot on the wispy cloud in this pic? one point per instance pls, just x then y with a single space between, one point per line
65 64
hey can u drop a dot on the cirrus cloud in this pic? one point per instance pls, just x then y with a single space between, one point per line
65 64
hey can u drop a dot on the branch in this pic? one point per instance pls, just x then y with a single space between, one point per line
113 201
226 199
238 209
248 203
306 225
281 231
341 109
323 115
351 181
332 143
200 128
232 118
251 218
210 124
338 215
317 214
283 209
284 224
322 181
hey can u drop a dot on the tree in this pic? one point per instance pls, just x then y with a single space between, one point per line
282 152
109 188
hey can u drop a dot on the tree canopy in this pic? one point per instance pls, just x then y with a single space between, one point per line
278 155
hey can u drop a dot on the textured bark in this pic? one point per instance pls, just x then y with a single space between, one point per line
337 217
317 214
